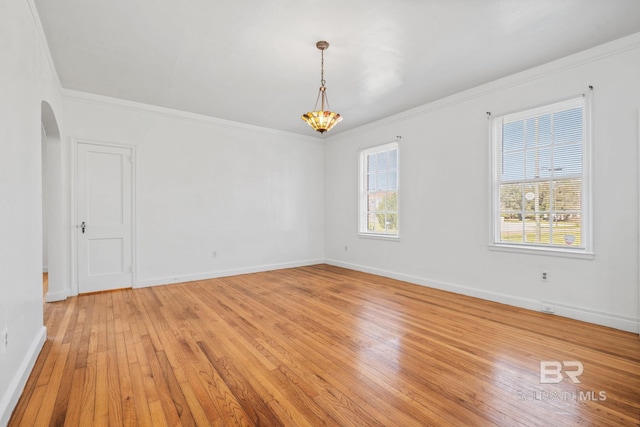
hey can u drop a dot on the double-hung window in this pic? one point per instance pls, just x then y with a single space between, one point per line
378 210
541 169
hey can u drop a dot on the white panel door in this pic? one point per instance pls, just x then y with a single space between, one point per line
104 199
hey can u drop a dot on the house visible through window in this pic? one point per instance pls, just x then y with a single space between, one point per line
379 190
540 170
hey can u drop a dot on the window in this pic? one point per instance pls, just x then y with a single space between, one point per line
379 191
541 193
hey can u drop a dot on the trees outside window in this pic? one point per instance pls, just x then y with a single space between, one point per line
379 190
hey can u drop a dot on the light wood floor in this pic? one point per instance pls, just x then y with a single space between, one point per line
319 346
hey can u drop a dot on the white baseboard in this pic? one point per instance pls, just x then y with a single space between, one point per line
13 392
143 283
611 320
57 296
623 323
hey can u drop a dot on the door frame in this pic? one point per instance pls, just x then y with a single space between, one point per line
75 226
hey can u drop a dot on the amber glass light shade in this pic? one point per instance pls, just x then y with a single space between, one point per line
322 121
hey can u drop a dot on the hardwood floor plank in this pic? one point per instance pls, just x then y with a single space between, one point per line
88 397
158 415
74 407
83 350
200 416
164 398
28 418
178 399
197 382
128 332
140 402
321 345
124 390
114 392
51 391
101 411
71 337
246 399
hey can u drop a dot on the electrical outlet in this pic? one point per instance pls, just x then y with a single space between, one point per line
544 276
4 340
547 308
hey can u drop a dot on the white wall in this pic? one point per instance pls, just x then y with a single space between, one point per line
445 198
26 78
252 195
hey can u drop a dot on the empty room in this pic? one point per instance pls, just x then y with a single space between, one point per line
279 213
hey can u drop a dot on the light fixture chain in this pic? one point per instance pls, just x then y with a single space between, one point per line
322 81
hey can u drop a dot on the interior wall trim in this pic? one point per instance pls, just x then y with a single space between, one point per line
57 296
37 23
179 278
139 107
12 395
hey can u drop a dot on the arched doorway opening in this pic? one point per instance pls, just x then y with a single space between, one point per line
53 238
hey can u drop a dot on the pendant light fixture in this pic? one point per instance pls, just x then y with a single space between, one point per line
322 120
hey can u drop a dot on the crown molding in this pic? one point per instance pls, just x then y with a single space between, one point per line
139 107
43 42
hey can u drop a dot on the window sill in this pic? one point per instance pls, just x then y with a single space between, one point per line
379 237
537 250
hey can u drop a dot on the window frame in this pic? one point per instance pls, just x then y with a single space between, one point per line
496 125
363 193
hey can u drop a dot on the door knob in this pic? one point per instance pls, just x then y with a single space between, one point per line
83 226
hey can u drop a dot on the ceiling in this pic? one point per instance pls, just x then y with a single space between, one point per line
256 62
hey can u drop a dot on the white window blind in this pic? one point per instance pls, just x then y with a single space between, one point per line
540 186
379 190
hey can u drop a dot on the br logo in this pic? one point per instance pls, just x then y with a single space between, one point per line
551 371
